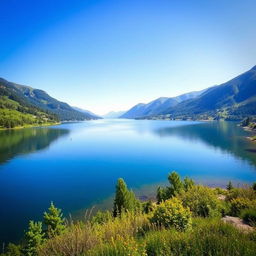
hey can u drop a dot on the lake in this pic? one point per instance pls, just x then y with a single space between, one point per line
76 165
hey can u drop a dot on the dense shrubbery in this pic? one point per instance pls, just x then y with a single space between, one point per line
202 201
171 213
150 229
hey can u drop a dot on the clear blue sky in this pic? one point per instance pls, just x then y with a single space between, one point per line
110 55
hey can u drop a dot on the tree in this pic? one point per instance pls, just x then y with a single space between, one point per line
54 221
161 194
33 238
188 183
176 184
254 186
125 199
230 185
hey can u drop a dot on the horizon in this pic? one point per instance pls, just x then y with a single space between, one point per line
116 54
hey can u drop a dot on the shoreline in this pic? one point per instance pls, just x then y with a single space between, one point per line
30 126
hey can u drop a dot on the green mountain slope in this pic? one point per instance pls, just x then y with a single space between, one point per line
234 99
16 111
42 100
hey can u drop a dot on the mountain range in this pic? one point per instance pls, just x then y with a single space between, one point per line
40 99
114 114
159 105
87 112
234 99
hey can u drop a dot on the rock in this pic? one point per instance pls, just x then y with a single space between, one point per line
238 223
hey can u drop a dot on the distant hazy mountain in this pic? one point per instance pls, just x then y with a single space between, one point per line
85 111
233 99
114 114
157 106
42 100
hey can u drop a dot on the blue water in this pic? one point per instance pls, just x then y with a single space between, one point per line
76 165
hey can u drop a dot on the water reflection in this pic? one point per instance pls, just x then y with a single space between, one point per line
24 141
225 136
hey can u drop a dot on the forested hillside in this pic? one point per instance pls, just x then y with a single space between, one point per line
16 111
42 100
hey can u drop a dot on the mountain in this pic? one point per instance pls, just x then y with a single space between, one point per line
42 100
85 111
114 114
234 99
157 106
17 111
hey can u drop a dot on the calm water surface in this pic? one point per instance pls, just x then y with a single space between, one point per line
76 165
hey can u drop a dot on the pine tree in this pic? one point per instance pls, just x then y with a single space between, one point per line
176 184
33 238
188 183
125 200
54 221
161 194
230 186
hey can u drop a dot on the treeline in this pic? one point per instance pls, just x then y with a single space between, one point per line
185 219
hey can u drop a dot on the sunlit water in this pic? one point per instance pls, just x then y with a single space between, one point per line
76 165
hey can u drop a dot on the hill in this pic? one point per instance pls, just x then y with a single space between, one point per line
157 106
40 99
17 111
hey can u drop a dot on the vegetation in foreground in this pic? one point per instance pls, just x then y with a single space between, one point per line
185 220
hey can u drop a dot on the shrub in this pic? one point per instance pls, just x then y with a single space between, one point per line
101 217
239 204
171 213
202 201
148 207
249 216
246 192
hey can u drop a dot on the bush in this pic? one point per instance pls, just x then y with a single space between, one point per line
202 201
171 213
249 216
247 192
101 217
239 204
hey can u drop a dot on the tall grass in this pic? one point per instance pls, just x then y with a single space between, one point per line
135 236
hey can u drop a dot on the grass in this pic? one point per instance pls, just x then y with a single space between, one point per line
134 235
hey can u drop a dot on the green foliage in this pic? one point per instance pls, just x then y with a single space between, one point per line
12 250
175 188
125 199
33 238
246 192
254 186
249 216
202 201
171 213
239 204
54 221
188 183
207 237
148 207
176 185
101 217
230 185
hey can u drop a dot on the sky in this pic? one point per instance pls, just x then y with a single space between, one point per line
110 55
